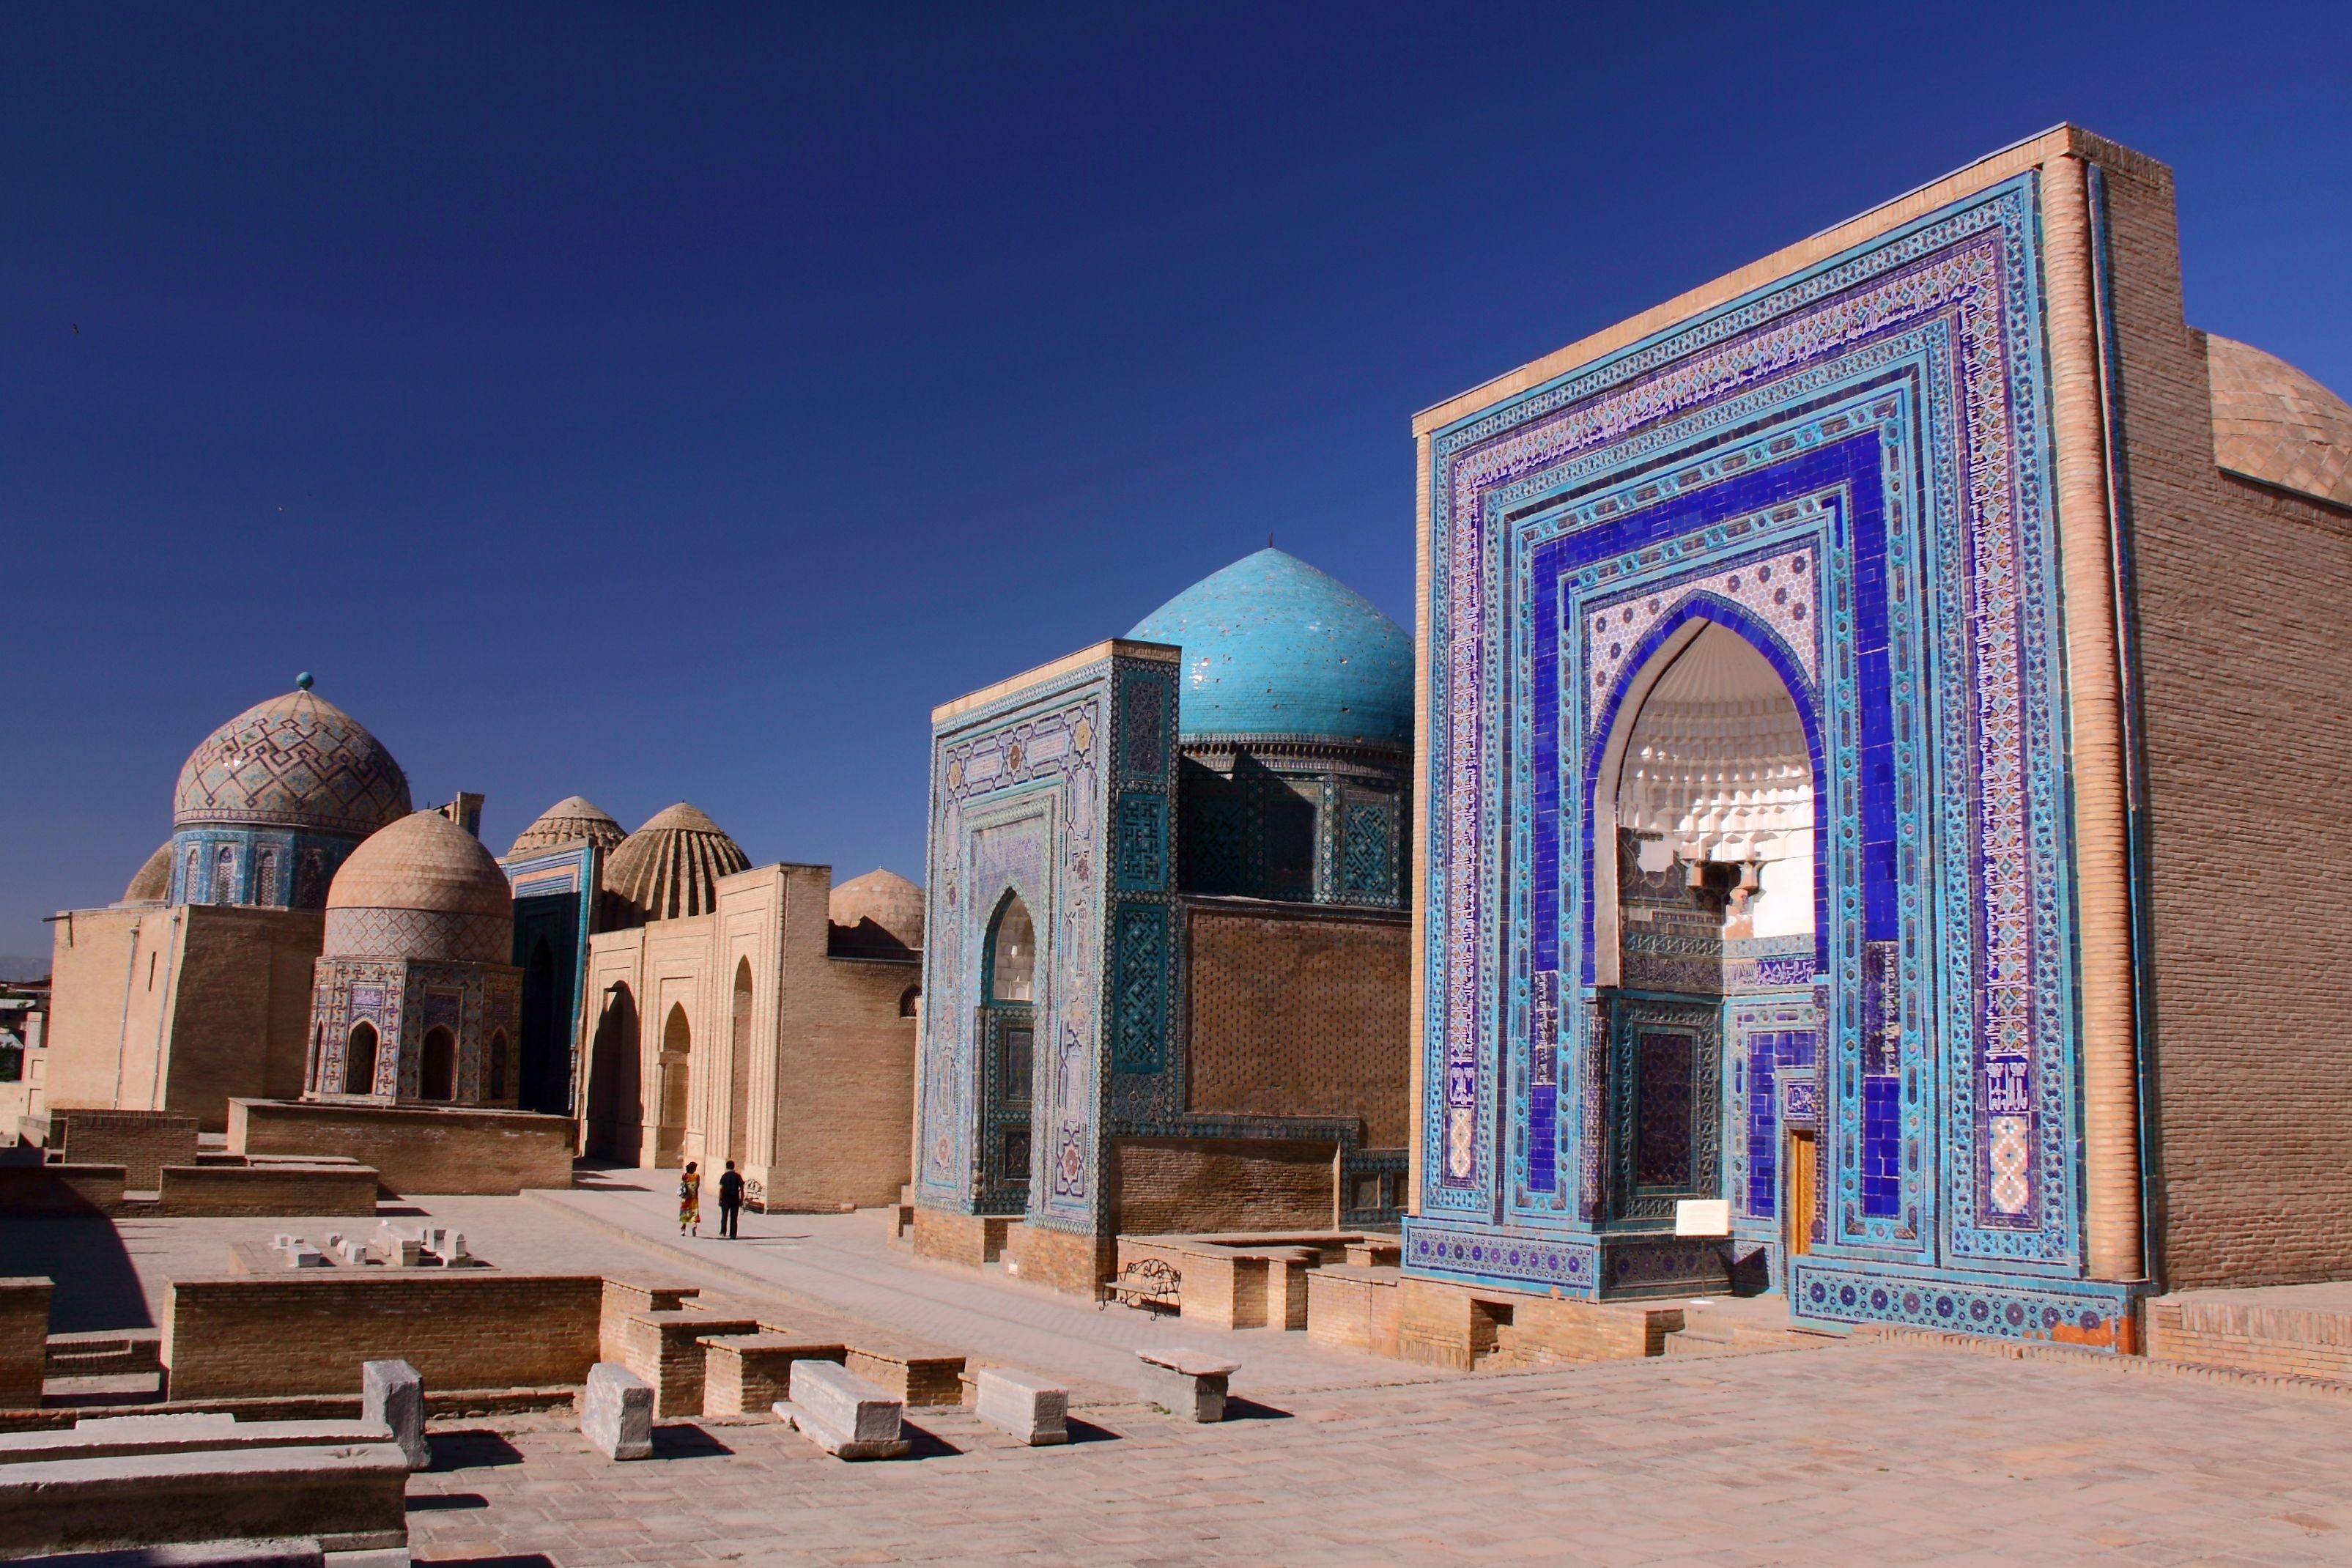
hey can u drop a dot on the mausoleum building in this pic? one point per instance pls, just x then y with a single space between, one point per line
1166 969
1849 690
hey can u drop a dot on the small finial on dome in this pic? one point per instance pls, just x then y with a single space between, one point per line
302 681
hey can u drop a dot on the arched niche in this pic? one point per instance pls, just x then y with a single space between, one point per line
359 1059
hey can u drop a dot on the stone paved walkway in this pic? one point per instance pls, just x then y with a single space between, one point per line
845 1263
1856 1453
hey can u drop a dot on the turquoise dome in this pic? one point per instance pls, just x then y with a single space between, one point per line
1272 647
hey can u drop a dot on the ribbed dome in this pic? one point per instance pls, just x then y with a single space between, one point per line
2272 423
670 869
422 889
572 818
893 905
1273 646
296 760
153 885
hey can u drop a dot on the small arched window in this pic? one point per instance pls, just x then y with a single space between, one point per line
437 1077
224 876
358 1059
1012 955
910 1001
498 1064
265 877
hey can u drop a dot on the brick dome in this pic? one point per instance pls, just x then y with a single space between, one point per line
153 885
892 904
422 889
2274 424
670 869
296 762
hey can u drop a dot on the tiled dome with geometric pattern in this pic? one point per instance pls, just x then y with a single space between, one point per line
296 760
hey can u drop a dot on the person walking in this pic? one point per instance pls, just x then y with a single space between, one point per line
730 1202
689 1200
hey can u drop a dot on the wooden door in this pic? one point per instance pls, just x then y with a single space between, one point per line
1801 1175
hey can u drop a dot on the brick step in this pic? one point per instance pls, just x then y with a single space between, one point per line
102 1354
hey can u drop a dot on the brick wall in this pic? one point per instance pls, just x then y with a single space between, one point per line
289 1191
2243 621
309 1331
414 1150
1180 1186
24 1340
1299 1014
1441 1324
956 1237
1353 1309
142 1142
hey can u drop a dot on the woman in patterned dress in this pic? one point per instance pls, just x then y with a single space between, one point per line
689 1201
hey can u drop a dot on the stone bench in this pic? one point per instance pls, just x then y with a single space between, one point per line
912 1377
1032 1408
1188 1384
350 1497
843 1414
744 1374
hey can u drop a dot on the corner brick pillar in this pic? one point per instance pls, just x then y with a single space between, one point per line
2095 713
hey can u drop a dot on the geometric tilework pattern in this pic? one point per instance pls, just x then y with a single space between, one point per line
296 760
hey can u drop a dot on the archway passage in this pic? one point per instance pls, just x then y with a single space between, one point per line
676 1086
542 1073
1713 890
358 1059
436 1066
1008 1057
739 1067
615 1108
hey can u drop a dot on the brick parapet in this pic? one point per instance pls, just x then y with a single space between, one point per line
24 1339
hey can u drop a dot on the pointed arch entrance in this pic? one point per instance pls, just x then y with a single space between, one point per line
674 1075
1008 1056
1704 906
738 1066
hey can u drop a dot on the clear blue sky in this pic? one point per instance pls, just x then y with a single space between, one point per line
675 402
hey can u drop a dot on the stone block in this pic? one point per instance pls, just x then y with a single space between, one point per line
392 1396
843 1414
745 1373
1032 1408
616 1412
130 1436
1190 1385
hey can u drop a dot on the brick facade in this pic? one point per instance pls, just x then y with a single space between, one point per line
2243 621
142 1142
1298 1013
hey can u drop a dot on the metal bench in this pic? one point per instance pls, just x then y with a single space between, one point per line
1146 1282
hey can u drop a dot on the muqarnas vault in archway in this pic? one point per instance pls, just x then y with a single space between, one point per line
1799 802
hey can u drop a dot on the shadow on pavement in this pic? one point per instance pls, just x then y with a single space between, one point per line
471 1451
527 1559
447 1501
1250 1410
1088 1432
94 1285
925 1444
685 1440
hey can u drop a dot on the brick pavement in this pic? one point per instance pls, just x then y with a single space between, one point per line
1860 1453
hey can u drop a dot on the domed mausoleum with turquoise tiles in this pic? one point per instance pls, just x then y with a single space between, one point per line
1165 971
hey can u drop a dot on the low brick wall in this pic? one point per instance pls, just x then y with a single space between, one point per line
1073 1265
913 1378
626 1295
142 1142
308 1331
954 1237
2251 1336
415 1149
291 1191
1354 1308
24 1340
746 1375
665 1349
1442 1324
47 1190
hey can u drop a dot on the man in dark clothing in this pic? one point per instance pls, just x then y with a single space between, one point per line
730 1201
